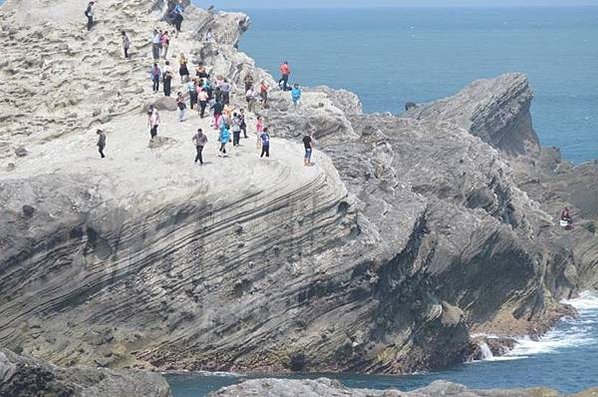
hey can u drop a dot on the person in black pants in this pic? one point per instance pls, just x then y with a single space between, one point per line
101 142
89 14
167 79
265 138
200 139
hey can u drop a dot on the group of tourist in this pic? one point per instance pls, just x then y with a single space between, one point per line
204 92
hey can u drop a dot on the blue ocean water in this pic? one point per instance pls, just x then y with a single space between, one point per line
566 359
392 56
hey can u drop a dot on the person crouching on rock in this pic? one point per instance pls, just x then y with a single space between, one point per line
180 103
200 139
101 142
153 121
265 138
224 138
566 221
89 14
126 43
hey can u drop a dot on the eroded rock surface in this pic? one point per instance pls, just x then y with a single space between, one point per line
25 377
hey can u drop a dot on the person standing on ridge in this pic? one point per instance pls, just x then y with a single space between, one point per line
308 143
101 142
264 94
296 94
155 75
167 79
126 43
89 14
285 72
153 121
156 45
200 139
265 138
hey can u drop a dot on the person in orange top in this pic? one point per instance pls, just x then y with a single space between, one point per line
285 71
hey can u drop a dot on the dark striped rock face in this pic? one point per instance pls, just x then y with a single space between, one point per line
406 235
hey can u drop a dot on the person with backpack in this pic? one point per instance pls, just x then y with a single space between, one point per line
180 103
89 14
236 127
155 74
101 142
200 139
217 107
126 43
296 94
224 138
178 18
265 138
167 79
192 92
285 71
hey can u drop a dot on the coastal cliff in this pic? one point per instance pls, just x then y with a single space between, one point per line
409 234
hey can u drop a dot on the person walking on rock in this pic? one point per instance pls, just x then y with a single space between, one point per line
236 127
265 138
225 88
183 71
101 142
167 79
243 123
165 43
180 103
251 98
178 18
202 99
259 128
153 121
126 43
89 14
217 107
285 72
156 45
248 80
224 138
155 74
200 139
296 95
192 92
308 144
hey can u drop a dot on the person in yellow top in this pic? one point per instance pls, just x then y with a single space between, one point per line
183 71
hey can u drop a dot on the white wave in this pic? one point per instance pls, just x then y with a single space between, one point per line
586 301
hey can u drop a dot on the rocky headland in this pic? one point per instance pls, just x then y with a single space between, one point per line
410 234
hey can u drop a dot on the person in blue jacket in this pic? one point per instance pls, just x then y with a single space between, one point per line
224 139
296 94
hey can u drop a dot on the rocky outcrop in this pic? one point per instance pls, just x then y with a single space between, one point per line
328 388
495 110
26 377
407 234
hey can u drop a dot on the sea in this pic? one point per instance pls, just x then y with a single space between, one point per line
393 56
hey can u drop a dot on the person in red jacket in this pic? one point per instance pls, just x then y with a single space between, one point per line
285 71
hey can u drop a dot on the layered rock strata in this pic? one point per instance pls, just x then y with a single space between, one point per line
407 234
